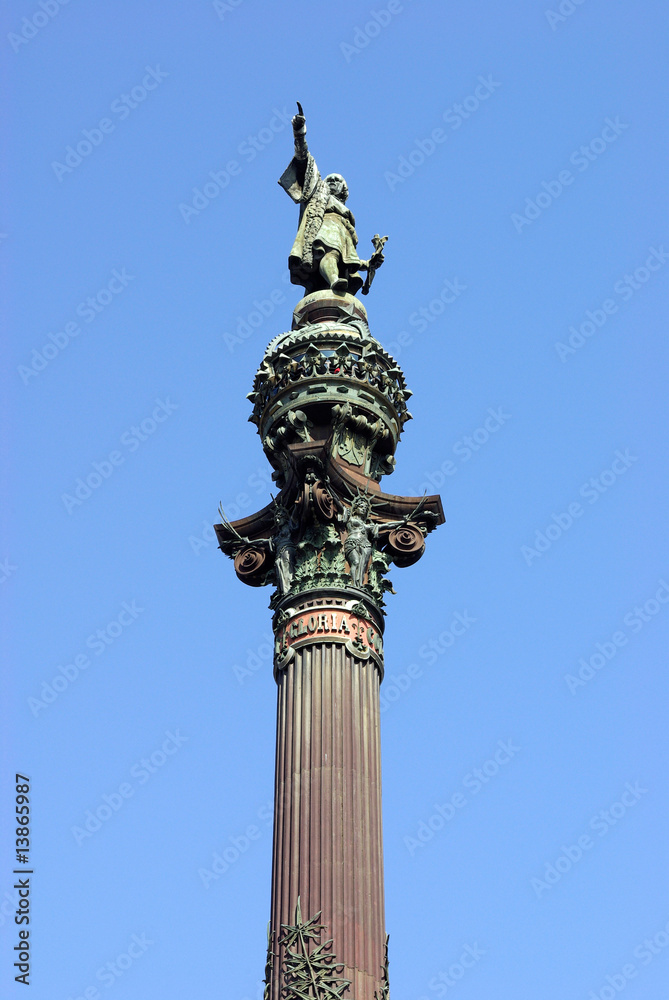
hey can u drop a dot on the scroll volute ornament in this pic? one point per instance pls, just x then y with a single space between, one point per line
405 545
323 502
315 500
252 565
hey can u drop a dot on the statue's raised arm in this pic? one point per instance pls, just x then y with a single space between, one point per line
324 252
299 123
301 176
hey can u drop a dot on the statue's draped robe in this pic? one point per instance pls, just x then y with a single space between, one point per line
325 224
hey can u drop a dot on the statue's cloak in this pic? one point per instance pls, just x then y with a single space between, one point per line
325 222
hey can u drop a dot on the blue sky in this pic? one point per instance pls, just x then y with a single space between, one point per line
516 155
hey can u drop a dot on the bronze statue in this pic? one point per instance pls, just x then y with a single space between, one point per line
283 545
324 252
360 538
256 555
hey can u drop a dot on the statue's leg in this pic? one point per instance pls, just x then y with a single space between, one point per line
355 282
356 574
329 268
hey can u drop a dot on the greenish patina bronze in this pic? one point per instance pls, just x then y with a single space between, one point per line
324 253
384 992
330 406
311 970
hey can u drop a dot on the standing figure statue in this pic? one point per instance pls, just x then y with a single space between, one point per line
360 538
324 252
283 545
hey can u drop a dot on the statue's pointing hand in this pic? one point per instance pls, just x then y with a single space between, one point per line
299 121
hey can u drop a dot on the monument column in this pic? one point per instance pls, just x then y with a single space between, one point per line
327 819
330 405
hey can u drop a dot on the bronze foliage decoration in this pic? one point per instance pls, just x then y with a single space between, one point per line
310 975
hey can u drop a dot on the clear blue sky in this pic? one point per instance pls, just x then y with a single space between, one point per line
518 162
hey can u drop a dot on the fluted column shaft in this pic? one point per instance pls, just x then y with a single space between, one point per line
327 819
